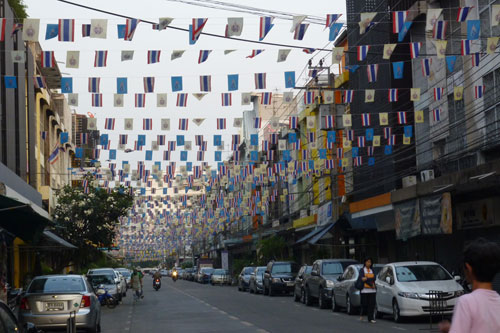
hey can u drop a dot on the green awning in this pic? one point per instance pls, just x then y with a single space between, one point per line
21 220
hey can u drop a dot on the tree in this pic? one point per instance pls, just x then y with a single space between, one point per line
89 218
272 248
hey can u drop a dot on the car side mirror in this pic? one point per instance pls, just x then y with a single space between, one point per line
457 278
388 280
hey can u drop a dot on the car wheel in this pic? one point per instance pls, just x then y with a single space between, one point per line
239 287
396 312
349 307
321 301
335 307
307 297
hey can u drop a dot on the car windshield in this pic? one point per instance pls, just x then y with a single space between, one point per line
284 268
248 270
125 273
57 285
261 269
330 268
207 270
219 272
421 273
101 279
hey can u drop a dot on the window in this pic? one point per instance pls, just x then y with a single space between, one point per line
330 268
413 273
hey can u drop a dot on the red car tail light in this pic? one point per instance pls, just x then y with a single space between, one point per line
24 304
85 301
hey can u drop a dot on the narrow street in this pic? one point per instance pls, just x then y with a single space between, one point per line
191 307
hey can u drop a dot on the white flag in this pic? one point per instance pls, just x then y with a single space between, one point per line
282 144
432 17
18 56
198 121
165 124
31 29
199 96
238 122
127 55
288 97
366 20
311 122
337 54
164 22
327 97
495 15
118 101
154 145
283 54
98 28
221 147
176 54
226 52
187 145
128 124
274 123
161 100
234 26
388 50
73 99
297 20
72 59
245 98
92 124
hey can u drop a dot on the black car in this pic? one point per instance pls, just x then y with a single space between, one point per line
298 291
324 274
279 277
244 278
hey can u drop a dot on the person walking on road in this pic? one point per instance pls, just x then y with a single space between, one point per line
366 281
136 281
478 311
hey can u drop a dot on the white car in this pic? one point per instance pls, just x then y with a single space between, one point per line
403 289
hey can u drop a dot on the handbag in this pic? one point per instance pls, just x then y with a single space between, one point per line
359 284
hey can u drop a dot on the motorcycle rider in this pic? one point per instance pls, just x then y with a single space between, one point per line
156 276
175 275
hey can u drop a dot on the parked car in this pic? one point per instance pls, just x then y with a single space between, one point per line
244 278
324 274
50 299
205 274
298 291
127 274
256 284
9 322
164 272
344 293
220 276
279 277
106 279
119 281
192 274
403 288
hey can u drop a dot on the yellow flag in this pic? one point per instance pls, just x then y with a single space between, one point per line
345 162
346 119
388 49
347 144
415 94
384 118
440 48
376 140
406 140
458 93
369 95
492 45
419 116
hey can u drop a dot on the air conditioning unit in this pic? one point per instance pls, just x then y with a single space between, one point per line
409 181
426 175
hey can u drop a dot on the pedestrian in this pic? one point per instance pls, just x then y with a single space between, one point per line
136 281
366 283
478 311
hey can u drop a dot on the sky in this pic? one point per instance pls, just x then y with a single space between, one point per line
218 65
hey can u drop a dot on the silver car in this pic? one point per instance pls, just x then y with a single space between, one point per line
121 284
127 274
220 276
50 299
344 294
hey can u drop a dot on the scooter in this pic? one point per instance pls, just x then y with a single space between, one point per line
157 284
105 297
174 276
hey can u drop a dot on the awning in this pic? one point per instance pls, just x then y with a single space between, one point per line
21 219
56 239
309 235
320 234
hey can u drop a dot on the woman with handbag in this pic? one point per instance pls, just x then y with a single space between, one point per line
368 292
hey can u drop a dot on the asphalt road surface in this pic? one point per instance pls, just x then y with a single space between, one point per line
191 307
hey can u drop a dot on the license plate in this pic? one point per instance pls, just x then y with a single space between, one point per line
54 306
289 284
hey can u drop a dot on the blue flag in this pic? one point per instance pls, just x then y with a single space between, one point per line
149 155
217 140
254 139
121 85
232 82
450 62
64 137
180 140
292 137
408 131
322 154
143 191
218 156
121 31
103 139
112 154
398 69
141 140
334 31
331 136
254 156
355 152
289 79
352 68
184 155
52 31
189 166
371 161
404 30
473 29
67 85
388 150
79 152
286 155
10 82
176 83
369 134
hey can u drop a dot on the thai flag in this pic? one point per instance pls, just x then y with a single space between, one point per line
97 100
86 30
426 66
54 156
101 58
415 49
393 95
362 52
365 119
371 71
255 53
312 137
196 28
236 155
308 50
183 124
3 25
39 82
308 97
361 141
123 139
107 145
370 150
329 121
48 59
198 140
94 84
200 155
182 99
348 96
221 123
205 83
436 115
300 31
398 20
235 139
226 99
274 138
84 138
438 93
305 154
166 155
203 55
266 24
329 164
387 132
466 46
149 84
130 26
296 145
66 30
391 141
350 135
257 122
266 98
358 161
16 27
160 139
260 80
462 13
109 123
440 30
478 91
147 124
476 57
171 145
153 56
340 153
43 134
293 122
140 100
331 19
270 155
401 117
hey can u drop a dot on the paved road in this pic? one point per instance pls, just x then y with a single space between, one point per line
190 307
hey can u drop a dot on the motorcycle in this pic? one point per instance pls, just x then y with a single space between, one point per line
174 276
157 284
105 297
